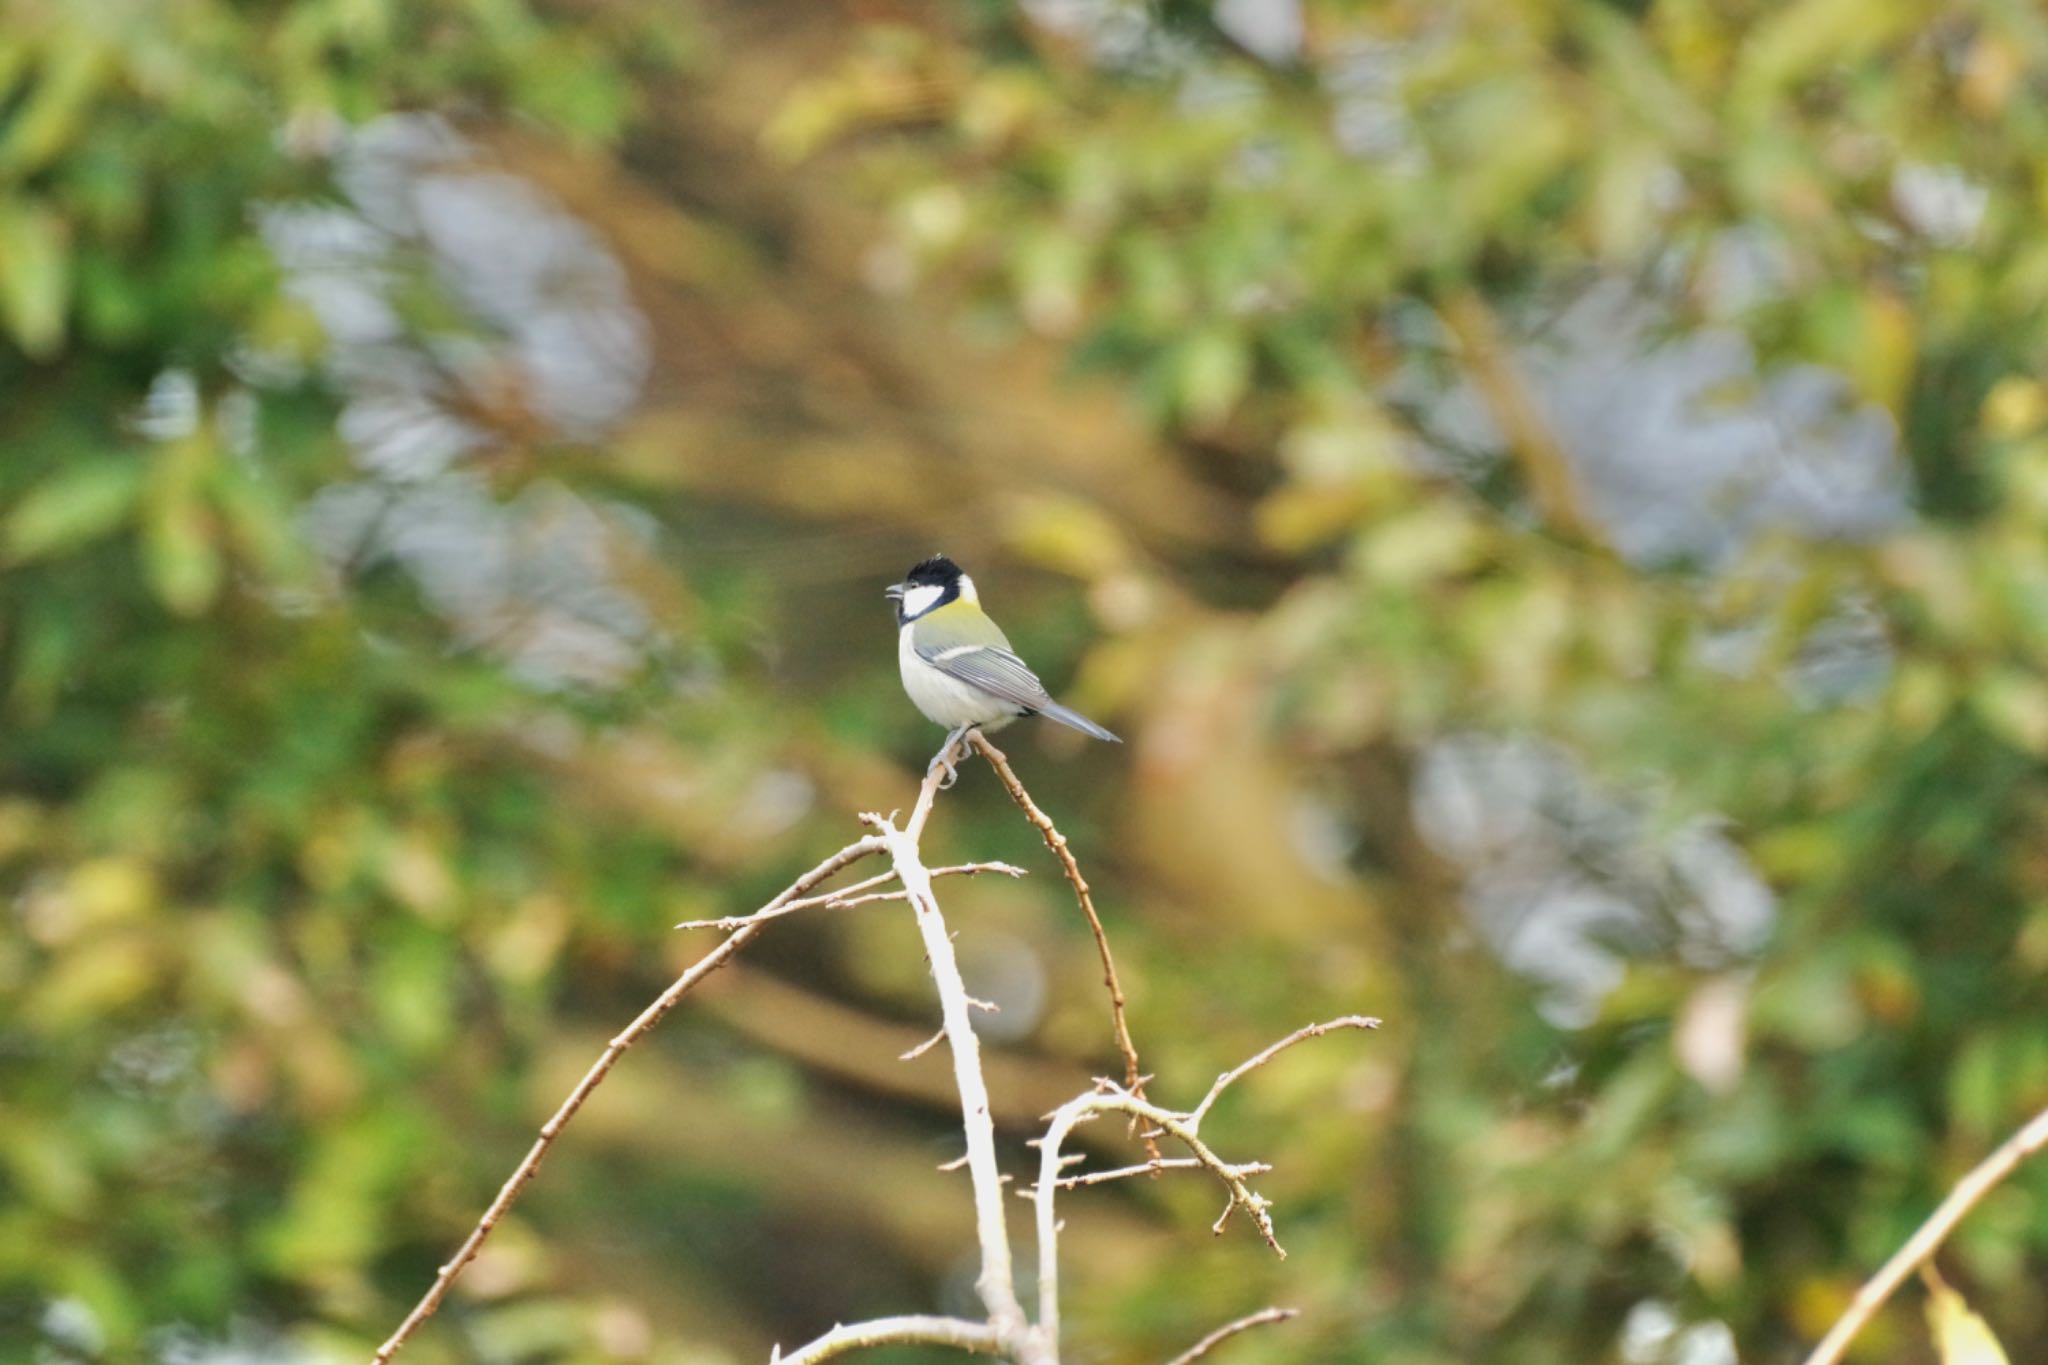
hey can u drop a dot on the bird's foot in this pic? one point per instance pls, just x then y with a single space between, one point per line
945 758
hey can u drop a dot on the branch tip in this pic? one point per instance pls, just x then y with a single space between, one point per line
1231 1329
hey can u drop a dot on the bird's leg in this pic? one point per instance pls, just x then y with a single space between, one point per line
945 758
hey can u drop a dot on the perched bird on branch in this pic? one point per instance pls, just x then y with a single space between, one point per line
958 665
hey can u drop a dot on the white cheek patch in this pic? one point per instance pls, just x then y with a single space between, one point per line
920 599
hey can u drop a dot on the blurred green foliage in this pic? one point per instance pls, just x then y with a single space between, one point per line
1554 493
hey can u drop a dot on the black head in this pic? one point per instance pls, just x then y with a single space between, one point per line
930 584
937 570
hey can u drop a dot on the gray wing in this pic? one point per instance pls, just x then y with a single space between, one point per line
995 671
1003 675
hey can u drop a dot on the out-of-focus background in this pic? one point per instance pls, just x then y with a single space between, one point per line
1552 491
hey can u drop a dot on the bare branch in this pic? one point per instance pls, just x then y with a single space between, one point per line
1967 1194
845 898
1185 1128
552 1129
1231 1329
977 1337
1008 1332
1164 1122
1230 1077
1134 1080
1049 1165
995 1284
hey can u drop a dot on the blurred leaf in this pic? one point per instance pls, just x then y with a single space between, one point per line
35 276
1960 1335
2015 407
1049 270
49 1168
180 552
81 503
74 60
103 974
1213 368
2015 706
1298 518
1067 535
1812 36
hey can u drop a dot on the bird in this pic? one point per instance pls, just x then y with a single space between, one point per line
957 664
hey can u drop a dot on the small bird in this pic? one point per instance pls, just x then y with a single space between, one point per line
958 665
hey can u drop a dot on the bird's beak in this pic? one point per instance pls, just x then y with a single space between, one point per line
894 592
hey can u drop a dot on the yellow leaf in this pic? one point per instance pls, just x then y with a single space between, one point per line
180 556
1212 370
86 501
418 876
1431 543
2014 407
2014 704
111 888
181 553
1990 74
1883 365
1803 39
1623 205
35 277
1960 1335
1298 518
87 983
1066 534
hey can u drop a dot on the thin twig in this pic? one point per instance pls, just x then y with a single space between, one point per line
1134 1080
978 1337
1968 1192
1236 1073
957 870
1165 1163
926 1046
552 1129
1231 1329
776 909
845 898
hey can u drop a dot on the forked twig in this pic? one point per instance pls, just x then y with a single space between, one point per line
846 897
1967 1194
1184 1128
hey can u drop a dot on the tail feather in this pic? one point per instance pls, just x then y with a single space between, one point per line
1052 710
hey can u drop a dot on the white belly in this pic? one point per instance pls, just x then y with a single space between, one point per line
946 700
